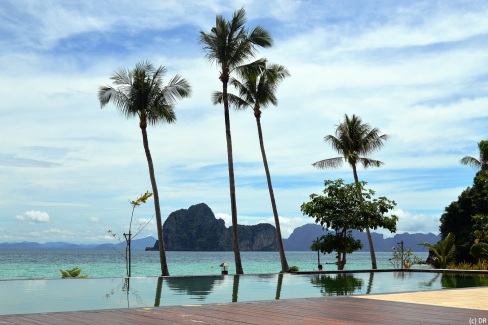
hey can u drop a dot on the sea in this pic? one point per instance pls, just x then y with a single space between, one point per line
46 264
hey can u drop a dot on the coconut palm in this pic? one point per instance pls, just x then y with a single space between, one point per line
353 139
257 90
140 92
229 44
482 162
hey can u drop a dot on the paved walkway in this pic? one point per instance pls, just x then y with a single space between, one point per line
472 298
454 306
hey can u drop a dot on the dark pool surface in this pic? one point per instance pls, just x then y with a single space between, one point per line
38 296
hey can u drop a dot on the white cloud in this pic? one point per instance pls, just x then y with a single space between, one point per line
95 219
145 221
34 216
409 222
226 217
416 71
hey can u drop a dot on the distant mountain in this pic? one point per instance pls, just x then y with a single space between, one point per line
302 237
136 244
197 229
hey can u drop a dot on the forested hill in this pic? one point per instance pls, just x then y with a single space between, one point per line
302 237
197 229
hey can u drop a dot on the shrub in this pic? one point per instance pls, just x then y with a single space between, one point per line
73 273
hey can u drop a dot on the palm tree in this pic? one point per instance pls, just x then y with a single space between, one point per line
229 45
140 92
257 90
482 162
354 139
443 252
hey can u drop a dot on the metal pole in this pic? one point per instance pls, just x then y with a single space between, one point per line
129 251
403 263
318 253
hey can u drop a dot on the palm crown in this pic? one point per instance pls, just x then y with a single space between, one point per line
257 86
140 92
353 139
229 44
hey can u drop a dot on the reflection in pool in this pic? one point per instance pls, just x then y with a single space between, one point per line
35 296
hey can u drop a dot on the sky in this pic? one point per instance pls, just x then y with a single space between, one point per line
416 70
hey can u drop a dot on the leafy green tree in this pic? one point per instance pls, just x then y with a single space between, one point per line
140 92
443 252
341 241
257 89
480 247
345 207
229 44
458 218
354 140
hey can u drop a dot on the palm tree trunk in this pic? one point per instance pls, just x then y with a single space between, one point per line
368 233
230 162
279 239
159 224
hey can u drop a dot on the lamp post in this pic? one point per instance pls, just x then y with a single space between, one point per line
318 257
127 251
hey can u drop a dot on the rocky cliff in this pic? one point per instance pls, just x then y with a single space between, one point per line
197 229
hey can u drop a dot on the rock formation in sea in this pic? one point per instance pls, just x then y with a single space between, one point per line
197 229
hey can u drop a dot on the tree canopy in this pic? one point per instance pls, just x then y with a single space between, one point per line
459 218
344 207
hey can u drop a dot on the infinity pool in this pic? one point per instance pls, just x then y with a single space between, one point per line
39 296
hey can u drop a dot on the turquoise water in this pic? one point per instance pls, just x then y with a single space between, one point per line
45 264
39 296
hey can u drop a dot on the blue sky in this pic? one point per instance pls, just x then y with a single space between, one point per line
417 70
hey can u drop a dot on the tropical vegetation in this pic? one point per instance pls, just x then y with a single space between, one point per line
344 207
404 257
73 273
140 92
229 45
256 90
354 140
442 253
466 219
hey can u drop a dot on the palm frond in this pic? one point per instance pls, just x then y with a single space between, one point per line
177 88
471 161
329 163
368 162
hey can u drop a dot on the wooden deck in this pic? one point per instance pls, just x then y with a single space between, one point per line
327 310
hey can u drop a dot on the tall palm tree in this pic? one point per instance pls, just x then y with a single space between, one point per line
229 45
482 162
140 92
257 90
353 139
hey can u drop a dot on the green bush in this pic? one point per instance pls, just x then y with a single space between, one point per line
73 273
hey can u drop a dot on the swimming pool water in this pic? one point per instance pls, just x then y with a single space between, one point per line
38 296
